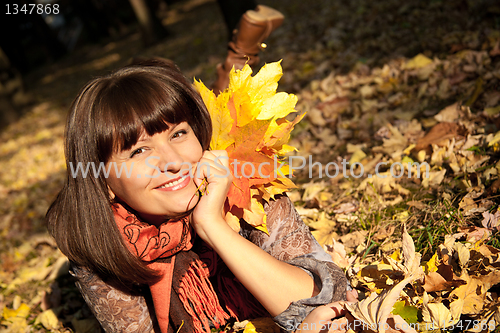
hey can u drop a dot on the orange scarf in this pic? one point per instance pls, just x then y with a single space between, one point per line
149 244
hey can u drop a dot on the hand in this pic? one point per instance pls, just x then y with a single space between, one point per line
213 178
320 319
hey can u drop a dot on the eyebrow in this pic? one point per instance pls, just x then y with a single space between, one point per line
170 127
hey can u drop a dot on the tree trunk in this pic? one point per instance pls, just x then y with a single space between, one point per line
13 97
152 30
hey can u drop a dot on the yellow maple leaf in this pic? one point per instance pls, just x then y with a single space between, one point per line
261 325
16 319
431 265
219 113
248 121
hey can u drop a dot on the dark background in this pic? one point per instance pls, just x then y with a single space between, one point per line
49 58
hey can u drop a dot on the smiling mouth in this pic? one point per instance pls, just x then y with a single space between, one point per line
174 183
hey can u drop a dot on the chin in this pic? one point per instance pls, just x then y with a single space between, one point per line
185 208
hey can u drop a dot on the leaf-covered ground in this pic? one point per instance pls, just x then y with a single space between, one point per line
382 81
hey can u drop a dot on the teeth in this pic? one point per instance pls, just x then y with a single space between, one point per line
174 182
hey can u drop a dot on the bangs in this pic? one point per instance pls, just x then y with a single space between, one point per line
136 104
111 113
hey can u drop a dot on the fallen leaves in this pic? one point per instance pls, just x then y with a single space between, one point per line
491 221
48 319
451 292
15 319
374 311
439 134
429 126
364 103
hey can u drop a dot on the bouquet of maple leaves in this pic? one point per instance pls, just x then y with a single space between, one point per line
249 122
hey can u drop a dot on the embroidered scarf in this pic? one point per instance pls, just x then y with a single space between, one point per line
150 244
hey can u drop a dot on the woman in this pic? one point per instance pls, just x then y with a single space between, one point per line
152 217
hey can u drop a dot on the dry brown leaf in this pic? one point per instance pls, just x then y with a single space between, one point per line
395 144
315 116
332 107
468 206
411 260
442 279
435 178
338 253
353 239
438 134
324 229
327 136
419 61
375 309
490 280
312 190
463 254
437 314
448 114
471 293
491 221
347 207
382 183
472 234
384 232
48 319
491 253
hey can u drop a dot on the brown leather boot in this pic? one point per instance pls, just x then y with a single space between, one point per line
248 39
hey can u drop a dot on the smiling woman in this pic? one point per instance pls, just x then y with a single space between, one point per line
161 184
107 119
151 251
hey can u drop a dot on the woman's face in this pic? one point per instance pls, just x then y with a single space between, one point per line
155 178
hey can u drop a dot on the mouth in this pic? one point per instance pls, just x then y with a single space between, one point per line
174 185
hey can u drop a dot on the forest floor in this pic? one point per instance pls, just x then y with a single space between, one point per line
381 81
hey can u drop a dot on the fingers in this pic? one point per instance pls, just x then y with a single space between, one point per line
213 179
338 309
352 295
213 166
321 315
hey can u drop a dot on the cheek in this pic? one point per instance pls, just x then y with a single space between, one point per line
115 187
197 150
199 153
123 187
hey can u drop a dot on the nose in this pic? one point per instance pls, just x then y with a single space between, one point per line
170 158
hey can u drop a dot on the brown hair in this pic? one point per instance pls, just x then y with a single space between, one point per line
109 115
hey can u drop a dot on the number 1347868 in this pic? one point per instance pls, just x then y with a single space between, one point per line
27 9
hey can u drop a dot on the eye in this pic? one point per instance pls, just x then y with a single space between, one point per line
137 151
179 134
